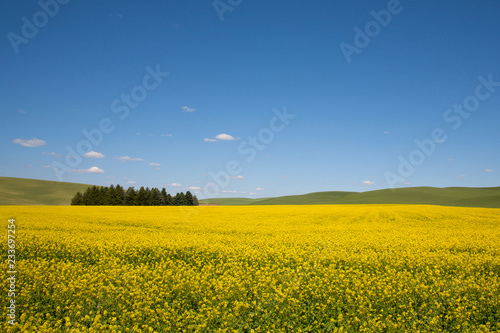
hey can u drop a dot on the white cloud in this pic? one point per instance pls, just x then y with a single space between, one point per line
450 160
193 188
154 164
209 140
439 141
187 109
52 154
22 111
386 132
251 193
47 166
225 137
367 183
31 143
489 170
93 169
128 158
167 135
94 154
235 177
259 189
131 182
137 133
225 191
174 185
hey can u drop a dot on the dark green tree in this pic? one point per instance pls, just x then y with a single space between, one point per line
142 197
101 196
156 199
189 198
119 197
91 196
164 195
130 197
169 201
77 199
109 196
195 201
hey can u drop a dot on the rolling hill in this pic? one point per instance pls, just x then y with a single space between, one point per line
21 191
488 197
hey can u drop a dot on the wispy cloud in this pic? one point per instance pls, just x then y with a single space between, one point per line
94 154
259 189
367 183
22 111
461 176
174 185
227 191
193 188
235 177
52 154
169 135
489 170
31 143
154 164
225 137
221 137
131 182
47 166
93 169
128 158
187 109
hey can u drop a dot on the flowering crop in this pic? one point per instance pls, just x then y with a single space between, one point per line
328 268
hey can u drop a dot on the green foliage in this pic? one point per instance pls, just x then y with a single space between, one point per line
117 196
77 199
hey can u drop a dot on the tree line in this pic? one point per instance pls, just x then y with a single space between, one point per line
118 196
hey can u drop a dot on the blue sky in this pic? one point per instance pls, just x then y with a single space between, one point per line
261 98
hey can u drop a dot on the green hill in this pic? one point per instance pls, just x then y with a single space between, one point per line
21 191
488 197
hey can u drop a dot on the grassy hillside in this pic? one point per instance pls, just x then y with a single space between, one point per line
232 201
21 191
488 197
318 198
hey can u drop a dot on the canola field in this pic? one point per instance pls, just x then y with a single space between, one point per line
328 268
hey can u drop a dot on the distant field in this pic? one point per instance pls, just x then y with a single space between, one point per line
323 268
488 197
21 191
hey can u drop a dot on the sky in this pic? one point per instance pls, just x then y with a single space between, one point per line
237 98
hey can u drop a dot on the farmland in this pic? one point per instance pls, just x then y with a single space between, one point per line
317 268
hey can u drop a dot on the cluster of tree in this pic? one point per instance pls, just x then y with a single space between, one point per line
118 196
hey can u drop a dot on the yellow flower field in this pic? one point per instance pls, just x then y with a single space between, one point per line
346 268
